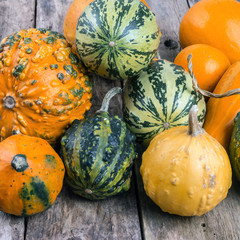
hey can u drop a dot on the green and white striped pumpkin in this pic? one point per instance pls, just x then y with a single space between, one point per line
116 39
98 154
159 98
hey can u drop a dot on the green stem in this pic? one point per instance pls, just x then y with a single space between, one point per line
110 94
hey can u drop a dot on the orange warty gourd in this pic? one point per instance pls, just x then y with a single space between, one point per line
43 87
213 22
70 22
31 175
209 64
185 171
221 112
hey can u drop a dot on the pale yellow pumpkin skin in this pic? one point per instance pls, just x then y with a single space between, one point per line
184 174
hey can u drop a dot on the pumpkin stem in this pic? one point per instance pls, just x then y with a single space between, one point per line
204 92
194 127
9 102
110 94
19 162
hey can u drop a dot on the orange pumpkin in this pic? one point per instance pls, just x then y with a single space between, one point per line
31 175
70 22
213 22
209 64
43 87
221 112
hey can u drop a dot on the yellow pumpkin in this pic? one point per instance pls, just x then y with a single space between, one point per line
185 171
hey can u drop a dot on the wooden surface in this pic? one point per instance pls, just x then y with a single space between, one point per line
131 215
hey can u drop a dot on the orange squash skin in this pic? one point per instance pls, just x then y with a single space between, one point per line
209 64
33 190
71 19
213 22
45 84
221 112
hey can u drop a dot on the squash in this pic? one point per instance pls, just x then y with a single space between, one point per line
31 175
71 19
98 154
209 64
159 98
43 86
234 148
116 39
213 22
221 112
185 171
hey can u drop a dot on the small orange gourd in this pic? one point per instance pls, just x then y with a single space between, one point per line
209 64
31 175
213 22
185 171
43 86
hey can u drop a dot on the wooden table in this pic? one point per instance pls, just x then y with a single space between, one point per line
132 215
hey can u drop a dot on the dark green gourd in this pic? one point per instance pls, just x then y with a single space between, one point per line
98 154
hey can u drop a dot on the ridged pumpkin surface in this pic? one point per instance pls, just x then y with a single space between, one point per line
43 87
71 19
213 22
98 155
222 111
31 175
159 98
116 39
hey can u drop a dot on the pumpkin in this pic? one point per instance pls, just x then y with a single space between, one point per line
116 39
185 171
213 22
209 64
221 112
234 148
31 175
43 87
98 154
159 98
71 19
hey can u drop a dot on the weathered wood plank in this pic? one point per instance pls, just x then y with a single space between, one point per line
221 222
72 217
169 14
14 16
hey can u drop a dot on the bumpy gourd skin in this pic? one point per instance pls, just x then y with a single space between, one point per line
43 86
31 175
98 155
234 148
185 175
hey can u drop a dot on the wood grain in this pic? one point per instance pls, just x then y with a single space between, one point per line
72 217
169 14
14 15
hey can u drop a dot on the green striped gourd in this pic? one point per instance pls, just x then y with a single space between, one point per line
98 154
116 39
159 98
234 147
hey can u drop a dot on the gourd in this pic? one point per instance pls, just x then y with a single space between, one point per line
43 86
71 19
209 64
234 148
31 175
159 98
115 39
221 112
205 23
98 154
185 171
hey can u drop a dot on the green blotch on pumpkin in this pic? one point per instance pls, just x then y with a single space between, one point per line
33 82
27 40
54 66
29 50
77 92
70 70
60 76
74 58
50 161
19 68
